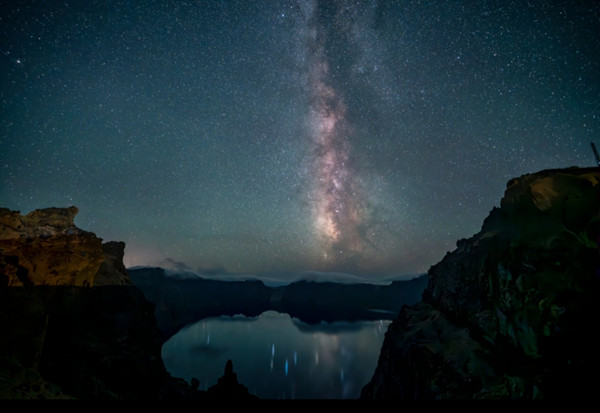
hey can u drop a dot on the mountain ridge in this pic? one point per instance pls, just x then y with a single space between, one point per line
180 301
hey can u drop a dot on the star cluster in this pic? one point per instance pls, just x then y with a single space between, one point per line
269 138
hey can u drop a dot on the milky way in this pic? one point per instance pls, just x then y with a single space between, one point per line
334 194
276 137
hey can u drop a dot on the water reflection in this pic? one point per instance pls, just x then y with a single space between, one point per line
277 357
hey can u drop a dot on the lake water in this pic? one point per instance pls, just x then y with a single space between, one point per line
277 357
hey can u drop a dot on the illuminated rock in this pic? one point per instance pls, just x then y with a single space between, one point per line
45 247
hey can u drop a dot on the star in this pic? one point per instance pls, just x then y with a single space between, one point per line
361 137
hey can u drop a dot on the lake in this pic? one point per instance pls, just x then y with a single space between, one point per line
277 357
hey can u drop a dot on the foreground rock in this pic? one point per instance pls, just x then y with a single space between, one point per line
512 312
45 247
72 325
228 387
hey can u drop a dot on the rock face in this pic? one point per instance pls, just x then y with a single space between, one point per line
511 312
72 325
112 270
45 247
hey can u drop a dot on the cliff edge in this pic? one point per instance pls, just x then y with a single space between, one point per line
511 312
45 247
72 324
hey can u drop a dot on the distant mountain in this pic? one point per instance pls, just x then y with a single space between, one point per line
180 300
511 313
313 302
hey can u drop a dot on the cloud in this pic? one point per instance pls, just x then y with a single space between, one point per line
180 269
177 266
347 278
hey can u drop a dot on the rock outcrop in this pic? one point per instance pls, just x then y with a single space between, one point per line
72 325
228 387
112 271
511 313
45 247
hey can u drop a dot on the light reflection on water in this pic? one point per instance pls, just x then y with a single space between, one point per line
277 357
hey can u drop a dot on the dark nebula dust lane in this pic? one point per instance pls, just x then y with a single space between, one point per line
334 191
272 138
339 202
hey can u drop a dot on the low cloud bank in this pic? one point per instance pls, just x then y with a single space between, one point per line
180 270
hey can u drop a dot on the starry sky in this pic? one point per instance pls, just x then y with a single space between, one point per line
277 137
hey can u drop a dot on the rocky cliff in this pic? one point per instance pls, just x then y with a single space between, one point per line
511 313
72 325
45 247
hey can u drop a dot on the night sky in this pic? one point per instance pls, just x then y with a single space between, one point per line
275 137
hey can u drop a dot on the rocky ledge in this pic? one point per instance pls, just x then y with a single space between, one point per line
511 313
45 247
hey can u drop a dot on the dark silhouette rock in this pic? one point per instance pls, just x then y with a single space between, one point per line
112 271
508 314
228 387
